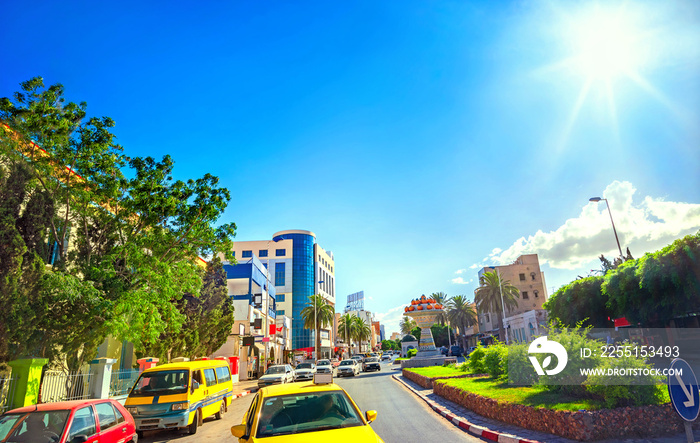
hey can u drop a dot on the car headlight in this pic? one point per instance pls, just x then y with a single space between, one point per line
132 409
181 406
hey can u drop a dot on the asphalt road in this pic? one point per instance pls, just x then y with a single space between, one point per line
401 416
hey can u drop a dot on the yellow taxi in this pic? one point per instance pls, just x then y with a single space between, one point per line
313 411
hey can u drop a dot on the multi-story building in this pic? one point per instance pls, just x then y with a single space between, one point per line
525 274
299 268
395 336
367 317
382 334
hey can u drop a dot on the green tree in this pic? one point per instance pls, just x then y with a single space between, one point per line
131 243
461 314
443 299
362 331
492 289
407 324
578 301
346 329
317 314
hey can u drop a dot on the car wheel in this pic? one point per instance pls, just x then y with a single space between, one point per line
195 422
222 408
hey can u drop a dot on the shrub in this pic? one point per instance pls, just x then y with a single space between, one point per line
519 369
495 361
627 390
476 360
464 367
411 353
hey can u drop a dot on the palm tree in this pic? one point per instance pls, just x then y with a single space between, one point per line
492 289
407 324
362 330
317 314
462 314
441 298
346 329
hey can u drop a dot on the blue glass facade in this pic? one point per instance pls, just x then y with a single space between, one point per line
303 278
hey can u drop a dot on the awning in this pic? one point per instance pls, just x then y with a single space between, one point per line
621 322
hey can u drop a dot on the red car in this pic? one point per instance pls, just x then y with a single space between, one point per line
88 421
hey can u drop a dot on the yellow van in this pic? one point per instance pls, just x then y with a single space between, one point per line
179 395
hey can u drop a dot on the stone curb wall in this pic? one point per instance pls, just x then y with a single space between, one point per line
627 422
427 382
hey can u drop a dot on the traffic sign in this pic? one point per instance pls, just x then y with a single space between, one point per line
683 389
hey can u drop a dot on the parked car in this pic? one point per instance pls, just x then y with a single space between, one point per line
349 366
102 420
444 350
471 349
455 351
325 367
371 364
276 374
304 371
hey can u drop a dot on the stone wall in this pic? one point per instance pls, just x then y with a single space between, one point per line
628 422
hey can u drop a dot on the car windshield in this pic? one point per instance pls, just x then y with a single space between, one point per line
275 370
324 363
161 383
347 362
306 412
305 366
371 360
32 426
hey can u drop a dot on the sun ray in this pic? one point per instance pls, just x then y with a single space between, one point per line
610 95
574 113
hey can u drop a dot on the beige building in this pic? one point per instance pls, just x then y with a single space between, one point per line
525 274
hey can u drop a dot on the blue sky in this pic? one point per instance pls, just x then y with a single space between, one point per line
418 140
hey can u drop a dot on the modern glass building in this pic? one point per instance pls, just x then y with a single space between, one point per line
303 281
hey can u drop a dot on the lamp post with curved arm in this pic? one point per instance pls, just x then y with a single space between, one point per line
597 199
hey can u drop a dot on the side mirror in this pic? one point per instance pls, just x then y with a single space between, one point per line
238 431
195 385
371 416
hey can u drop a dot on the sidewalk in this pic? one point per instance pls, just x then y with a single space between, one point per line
245 387
493 430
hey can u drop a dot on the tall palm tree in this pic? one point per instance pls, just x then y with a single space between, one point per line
492 288
346 329
441 298
362 330
317 314
407 325
461 314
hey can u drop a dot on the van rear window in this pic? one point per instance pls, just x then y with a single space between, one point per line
223 374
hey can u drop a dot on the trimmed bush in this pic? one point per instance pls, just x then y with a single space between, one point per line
617 390
495 361
476 360
411 353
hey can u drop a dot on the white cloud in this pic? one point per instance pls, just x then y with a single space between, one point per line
460 281
390 319
643 227
460 271
474 266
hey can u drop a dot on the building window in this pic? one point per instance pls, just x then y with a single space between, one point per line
536 292
532 274
262 253
280 312
488 319
280 253
525 296
279 274
280 298
522 277
234 254
247 254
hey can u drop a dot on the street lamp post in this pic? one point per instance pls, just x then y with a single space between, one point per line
317 340
597 199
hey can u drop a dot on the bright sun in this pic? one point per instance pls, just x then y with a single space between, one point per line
605 45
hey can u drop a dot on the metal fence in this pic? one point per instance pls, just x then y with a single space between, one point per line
122 381
7 393
60 386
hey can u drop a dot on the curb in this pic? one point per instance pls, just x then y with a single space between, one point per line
464 425
243 394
